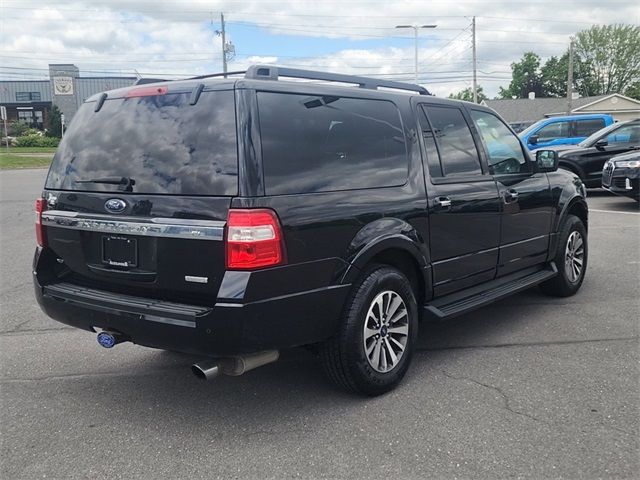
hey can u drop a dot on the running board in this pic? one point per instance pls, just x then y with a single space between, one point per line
466 300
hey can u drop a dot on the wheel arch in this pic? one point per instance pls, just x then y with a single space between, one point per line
397 251
577 206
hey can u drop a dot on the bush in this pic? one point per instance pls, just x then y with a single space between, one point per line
32 131
36 141
18 128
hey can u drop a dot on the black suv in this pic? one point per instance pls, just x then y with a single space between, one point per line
234 217
588 158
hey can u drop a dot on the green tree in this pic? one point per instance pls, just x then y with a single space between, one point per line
554 77
525 77
55 122
467 94
633 91
611 53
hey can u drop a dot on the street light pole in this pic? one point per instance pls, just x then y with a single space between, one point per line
415 31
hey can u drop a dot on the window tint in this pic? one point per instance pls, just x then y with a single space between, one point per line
625 134
502 146
328 143
458 153
553 131
584 128
164 144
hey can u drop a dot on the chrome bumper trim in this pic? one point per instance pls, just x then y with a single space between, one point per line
153 227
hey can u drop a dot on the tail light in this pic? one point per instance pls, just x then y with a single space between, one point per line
41 237
254 239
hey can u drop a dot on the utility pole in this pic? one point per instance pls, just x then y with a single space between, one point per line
415 63
415 30
224 45
475 60
570 79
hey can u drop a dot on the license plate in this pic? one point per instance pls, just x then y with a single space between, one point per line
119 251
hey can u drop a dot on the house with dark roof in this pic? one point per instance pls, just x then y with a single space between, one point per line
522 112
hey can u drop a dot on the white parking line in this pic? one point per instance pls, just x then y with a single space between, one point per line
613 211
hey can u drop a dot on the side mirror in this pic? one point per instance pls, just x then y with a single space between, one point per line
547 160
533 139
600 144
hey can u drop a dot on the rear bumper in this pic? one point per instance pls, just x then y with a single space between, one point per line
221 330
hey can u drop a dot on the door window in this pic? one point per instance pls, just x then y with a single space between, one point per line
553 131
584 128
502 146
458 152
625 134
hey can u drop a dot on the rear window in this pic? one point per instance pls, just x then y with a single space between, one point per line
161 143
584 128
327 143
553 131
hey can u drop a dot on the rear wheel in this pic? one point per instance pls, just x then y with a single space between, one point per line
371 352
571 259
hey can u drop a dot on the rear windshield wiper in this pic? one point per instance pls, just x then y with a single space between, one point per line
124 183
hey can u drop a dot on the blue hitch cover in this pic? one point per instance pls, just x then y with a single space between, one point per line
108 339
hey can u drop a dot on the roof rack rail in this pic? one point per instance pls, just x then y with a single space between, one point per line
268 72
226 74
145 80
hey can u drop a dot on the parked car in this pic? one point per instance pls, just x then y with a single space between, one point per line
565 130
235 217
621 175
587 159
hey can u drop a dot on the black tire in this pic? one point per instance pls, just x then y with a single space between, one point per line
563 285
344 358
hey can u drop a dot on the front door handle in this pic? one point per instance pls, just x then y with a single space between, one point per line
443 203
510 196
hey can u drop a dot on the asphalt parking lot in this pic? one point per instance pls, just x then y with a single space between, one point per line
530 387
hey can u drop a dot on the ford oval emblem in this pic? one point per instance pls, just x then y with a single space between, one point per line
115 205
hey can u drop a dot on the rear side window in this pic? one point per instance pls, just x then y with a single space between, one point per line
161 143
328 143
625 134
458 152
584 128
553 131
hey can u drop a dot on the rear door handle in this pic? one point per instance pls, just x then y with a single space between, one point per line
510 196
443 203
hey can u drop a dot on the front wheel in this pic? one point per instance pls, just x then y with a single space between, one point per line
571 259
372 350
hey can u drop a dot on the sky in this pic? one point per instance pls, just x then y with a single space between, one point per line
177 39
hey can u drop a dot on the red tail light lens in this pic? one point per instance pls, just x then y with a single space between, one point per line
254 239
41 237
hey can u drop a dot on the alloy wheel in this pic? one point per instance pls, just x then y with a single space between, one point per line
574 257
386 331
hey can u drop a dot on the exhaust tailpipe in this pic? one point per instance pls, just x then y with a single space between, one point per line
207 370
235 366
